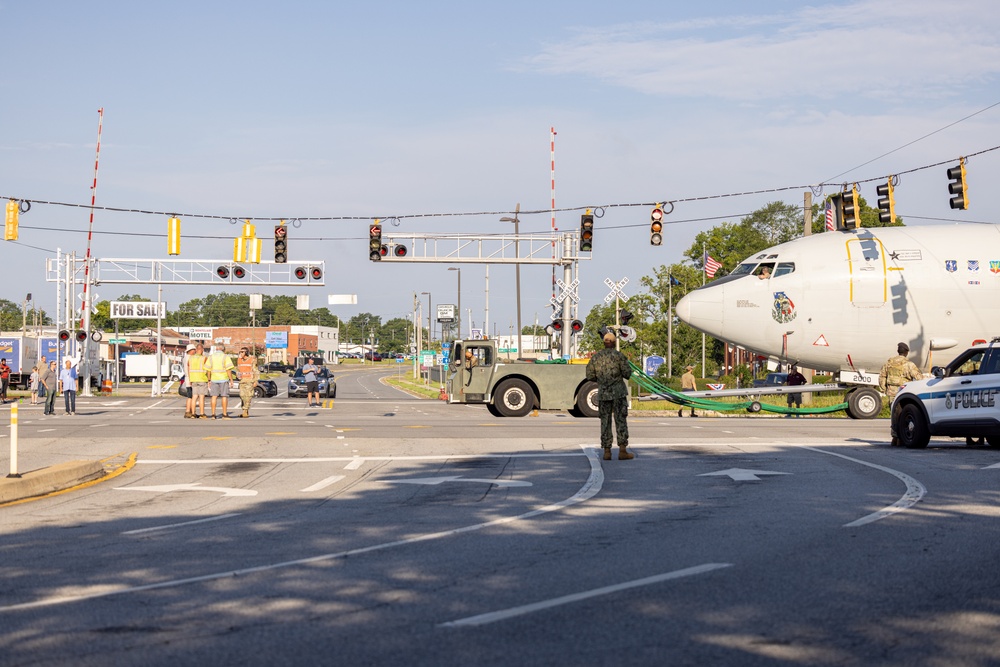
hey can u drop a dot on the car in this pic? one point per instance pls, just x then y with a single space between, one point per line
772 380
327 385
373 356
276 367
264 388
959 400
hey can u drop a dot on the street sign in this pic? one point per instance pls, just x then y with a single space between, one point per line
117 341
616 289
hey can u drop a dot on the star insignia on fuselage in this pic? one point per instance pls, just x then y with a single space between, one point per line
894 255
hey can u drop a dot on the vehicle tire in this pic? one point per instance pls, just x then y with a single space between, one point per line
754 407
864 403
911 429
145 380
514 398
586 401
258 392
993 441
175 378
493 410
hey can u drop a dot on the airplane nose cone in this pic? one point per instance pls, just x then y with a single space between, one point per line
702 309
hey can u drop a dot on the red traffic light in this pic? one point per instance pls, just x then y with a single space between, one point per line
239 272
576 326
300 273
81 336
222 272
316 273
383 251
280 232
63 336
399 251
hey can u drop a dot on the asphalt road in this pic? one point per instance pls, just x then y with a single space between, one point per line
384 529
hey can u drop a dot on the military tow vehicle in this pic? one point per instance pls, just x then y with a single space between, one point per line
513 388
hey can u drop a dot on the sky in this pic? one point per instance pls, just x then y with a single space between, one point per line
220 111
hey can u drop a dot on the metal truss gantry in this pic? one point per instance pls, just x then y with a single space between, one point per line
546 249
197 272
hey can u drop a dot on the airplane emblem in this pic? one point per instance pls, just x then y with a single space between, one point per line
951 265
783 310
995 266
974 265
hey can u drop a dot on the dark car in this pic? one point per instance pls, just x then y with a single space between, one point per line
373 356
267 388
772 380
327 385
276 367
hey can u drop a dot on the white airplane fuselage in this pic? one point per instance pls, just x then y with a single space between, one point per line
843 300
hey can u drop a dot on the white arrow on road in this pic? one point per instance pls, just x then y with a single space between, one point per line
432 481
167 488
742 475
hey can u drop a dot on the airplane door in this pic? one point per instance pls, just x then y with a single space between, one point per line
869 276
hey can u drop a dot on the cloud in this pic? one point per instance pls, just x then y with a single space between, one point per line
893 51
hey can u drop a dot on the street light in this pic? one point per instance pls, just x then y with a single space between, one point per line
430 321
458 317
517 274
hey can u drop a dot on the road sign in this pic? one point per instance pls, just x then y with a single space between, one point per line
616 289
117 341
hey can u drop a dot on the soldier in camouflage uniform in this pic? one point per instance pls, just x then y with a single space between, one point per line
897 371
246 369
610 369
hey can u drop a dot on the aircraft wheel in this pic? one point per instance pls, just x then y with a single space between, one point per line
754 407
586 401
912 428
864 403
514 398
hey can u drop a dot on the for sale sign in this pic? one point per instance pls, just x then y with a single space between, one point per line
138 310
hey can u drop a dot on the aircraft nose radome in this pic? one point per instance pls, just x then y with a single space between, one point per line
702 309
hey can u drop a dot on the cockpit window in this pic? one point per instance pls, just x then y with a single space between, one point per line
784 268
744 269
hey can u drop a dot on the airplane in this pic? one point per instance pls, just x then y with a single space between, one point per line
842 300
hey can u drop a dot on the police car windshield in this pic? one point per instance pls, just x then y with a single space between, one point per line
320 373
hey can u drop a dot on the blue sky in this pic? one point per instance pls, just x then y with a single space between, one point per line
324 109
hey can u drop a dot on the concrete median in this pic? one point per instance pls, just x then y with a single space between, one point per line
48 480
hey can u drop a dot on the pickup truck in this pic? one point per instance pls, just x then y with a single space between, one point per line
512 388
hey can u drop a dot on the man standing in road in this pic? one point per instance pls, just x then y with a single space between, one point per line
309 371
610 369
688 384
47 376
67 379
220 368
795 379
198 379
897 371
246 369
4 379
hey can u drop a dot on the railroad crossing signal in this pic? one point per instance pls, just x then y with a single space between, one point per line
566 292
886 202
958 187
616 290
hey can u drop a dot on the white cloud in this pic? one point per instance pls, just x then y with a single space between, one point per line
892 51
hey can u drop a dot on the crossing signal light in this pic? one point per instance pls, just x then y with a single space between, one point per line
399 251
557 325
851 208
576 326
239 271
316 273
656 226
10 227
957 186
63 336
81 336
280 244
587 232
222 272
624 316
300 273
376 250
886 202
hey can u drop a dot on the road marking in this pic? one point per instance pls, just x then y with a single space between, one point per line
178 525
281 433
329 459
915 491
434 481
99 425
742 474
355 464
494 616
161 447
590 488
45 430
167 488
416 426
323 483
217 437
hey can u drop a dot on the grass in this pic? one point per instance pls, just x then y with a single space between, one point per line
418 387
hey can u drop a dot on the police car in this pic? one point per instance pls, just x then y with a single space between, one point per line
960 400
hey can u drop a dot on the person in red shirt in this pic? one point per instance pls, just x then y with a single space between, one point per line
4 379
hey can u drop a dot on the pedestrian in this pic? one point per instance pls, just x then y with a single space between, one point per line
220 368
33 385
67 379
198 378
610 369
186 387
794 379
4 380
246 369
309 371
897 371
49 378
688 384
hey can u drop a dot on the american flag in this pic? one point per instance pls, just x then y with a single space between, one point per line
830 225
711 266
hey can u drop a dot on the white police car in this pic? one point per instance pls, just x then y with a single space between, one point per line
960 400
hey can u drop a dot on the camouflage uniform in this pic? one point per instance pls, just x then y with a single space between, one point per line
895 373
609 368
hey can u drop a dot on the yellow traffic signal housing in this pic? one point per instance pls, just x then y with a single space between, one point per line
174 236
886 202
958 186
851 209
10 227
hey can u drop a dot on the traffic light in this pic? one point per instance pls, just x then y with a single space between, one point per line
851 208
375 248
956 187
576 326
280 244
587 232
10 227
624 316
656 225
886 202
81 336
63 336
174 236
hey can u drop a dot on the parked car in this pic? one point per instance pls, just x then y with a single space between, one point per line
277 367
772 380
327 385
373 356
264 388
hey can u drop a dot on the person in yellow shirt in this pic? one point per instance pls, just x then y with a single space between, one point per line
220 369
198 379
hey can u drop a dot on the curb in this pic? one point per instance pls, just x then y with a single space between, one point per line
58 478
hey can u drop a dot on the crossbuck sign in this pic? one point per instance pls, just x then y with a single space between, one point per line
616 289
